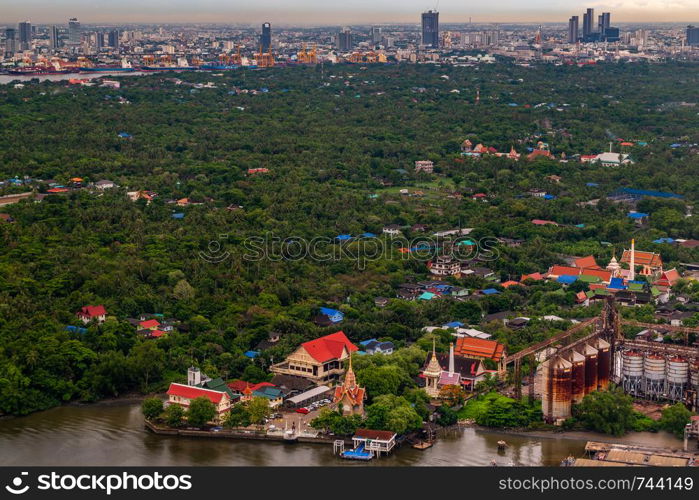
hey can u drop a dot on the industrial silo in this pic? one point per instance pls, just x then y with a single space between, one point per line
590 354
694 374
632 372
677 377
603 363
556 399
577 376
653 376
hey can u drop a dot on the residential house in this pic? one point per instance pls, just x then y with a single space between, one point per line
392 230
373 346
319 360
104 184
424 166
92 313
445 265
183 395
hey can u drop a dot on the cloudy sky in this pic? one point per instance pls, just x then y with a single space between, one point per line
338 11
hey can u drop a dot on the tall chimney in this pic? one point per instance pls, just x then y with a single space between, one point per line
451 358
632 275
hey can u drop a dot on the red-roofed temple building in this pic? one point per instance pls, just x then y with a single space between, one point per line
471 347
318 360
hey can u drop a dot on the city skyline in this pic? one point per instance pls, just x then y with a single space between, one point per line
316 12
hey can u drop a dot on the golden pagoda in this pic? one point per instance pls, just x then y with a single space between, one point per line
349 394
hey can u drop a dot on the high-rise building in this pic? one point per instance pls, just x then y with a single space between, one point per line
588 18
113 39
430 29
603 22
54 40
99 40
10 41
266 37
344 40
375 35
74 31
25 35
573 29
692 35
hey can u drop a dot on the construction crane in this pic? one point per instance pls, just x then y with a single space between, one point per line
265 59
236 58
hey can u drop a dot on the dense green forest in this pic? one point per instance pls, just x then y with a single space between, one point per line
339 143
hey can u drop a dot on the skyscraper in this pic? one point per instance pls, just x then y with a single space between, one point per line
74 31
266 37
430 29
25 35
10 41
588 19
375 35
604 22
573 29
344 40
692 35
54 41
113 39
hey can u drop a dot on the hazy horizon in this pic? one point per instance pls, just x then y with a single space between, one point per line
319 12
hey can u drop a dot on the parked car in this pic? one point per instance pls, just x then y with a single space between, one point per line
304 411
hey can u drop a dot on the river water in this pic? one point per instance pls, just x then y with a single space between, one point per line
113 434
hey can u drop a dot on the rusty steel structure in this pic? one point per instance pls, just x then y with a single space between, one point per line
593 353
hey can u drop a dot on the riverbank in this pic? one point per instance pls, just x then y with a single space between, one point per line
241 434
654 439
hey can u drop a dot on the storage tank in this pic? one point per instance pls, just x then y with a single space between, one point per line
694 375
631 371
556 399
654 376
577 376
590 354
677 377
603 363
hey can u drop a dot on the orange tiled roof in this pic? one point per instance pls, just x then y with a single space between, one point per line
563 271
650 259
600 273
470 347
586 262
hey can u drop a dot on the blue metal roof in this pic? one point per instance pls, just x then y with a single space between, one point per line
637 215
567 279
178 216
252 354
664 240
645 192
368 235
343 237
490 291
617 284
454 324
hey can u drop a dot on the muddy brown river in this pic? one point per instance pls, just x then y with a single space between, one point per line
113 434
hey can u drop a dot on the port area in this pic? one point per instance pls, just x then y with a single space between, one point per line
624 455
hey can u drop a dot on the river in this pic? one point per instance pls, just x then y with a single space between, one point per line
113 434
